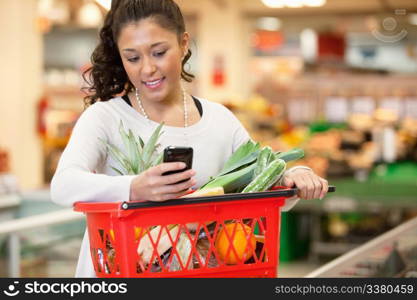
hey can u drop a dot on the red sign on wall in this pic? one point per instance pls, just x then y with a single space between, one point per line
331 46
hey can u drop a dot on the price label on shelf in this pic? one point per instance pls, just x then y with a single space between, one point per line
393 104
300 111
336 109
363 105
410 108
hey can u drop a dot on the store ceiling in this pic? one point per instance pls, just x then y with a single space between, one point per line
335 6
256 7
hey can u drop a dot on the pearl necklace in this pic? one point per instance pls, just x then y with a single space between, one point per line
184 98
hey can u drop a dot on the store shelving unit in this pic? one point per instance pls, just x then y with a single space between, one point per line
64 107
393 254
382 198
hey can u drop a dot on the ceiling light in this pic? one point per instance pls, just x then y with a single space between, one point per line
268 23
55 11
294 3
314 3
90 15
274 3
412 19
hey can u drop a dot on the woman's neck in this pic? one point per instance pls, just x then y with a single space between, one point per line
170 108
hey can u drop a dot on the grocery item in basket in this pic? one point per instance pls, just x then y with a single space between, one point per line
239 170
262 161
184 248
206 192
203 246
146 247
139 156
232 181
244 155
235 242
290 155
267 178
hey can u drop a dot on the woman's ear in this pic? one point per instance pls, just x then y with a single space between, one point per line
185 43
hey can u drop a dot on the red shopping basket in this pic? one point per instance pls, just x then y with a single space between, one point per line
231 235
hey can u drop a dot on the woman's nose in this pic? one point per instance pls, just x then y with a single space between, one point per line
148 66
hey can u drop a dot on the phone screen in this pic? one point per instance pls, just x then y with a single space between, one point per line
178 154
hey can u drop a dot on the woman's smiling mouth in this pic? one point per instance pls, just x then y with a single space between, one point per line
154 83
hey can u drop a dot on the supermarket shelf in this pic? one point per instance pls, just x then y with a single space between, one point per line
12 228
32 222
9 200
365 252
376 195
332 248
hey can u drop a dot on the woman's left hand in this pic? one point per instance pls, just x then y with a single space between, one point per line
310 185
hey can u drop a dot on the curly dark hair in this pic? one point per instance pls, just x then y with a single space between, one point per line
107 76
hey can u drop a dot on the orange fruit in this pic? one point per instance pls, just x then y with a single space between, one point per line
243 241
139 232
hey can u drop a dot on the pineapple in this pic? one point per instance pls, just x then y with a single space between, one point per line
139 156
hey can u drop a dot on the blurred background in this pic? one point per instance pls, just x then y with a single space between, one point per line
337 78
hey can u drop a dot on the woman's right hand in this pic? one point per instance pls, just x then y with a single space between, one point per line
153 186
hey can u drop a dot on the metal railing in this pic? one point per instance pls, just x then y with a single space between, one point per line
12 228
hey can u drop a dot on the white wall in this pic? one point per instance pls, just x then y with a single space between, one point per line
221 30
20 83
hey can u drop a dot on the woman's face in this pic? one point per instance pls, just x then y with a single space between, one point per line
152 58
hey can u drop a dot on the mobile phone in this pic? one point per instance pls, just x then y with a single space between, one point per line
181 154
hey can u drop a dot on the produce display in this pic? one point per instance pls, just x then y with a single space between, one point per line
249 169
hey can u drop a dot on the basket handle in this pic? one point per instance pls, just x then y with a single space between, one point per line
276 192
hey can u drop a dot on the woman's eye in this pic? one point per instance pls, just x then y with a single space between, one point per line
161 53
133 59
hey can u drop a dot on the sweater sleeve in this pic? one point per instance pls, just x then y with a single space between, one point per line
240 134
75 178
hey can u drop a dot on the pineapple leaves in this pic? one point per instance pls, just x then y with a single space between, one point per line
158 159
117 155
150 146
135 152
117 171
137 156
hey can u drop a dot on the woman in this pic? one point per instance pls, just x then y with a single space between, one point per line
141 55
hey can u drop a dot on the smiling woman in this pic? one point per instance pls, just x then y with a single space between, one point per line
152 59
135 80
132 29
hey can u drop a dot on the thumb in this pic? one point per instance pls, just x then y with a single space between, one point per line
288 182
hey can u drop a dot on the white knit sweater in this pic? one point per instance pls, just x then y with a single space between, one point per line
84 170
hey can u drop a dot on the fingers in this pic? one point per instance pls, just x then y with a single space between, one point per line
310 185
152 185
174 178
166 192
325 187
302 187
288 182
166 167
315 187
